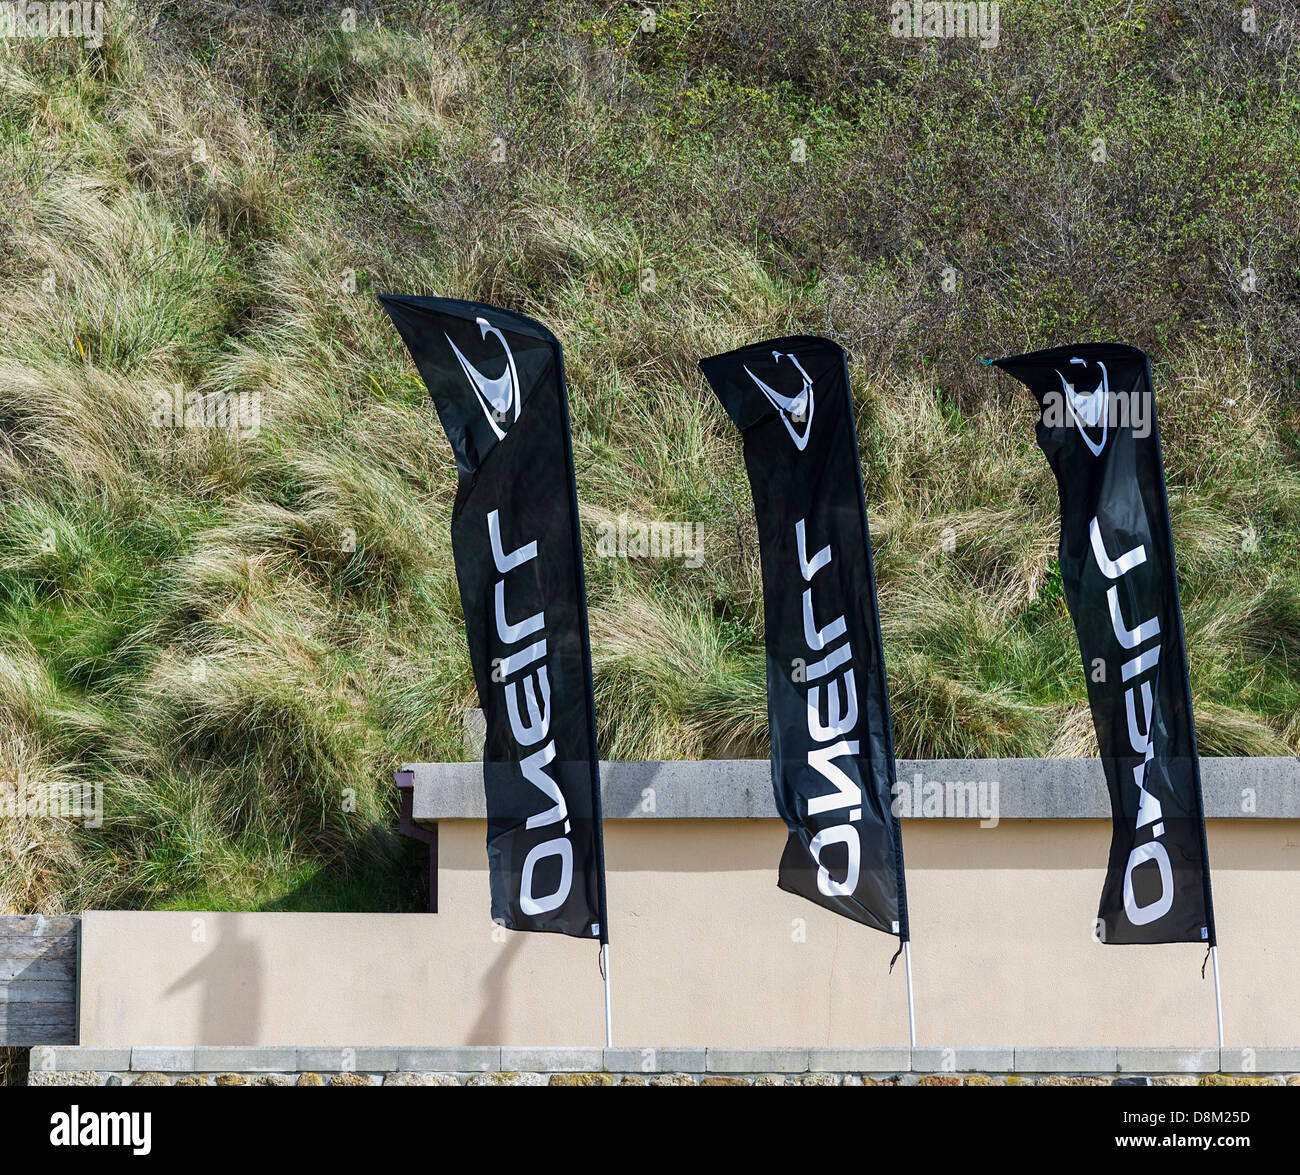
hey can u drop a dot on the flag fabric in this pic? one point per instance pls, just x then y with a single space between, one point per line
828 705
1097 427
497 382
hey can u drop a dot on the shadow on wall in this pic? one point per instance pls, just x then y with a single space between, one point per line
230 983
490 1027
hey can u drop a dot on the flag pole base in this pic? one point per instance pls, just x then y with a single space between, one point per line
911 1008
609 1017
1218 994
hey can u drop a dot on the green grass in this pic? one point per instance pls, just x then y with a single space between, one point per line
311 887
241 636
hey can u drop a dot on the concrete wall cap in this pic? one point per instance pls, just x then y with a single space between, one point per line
741 789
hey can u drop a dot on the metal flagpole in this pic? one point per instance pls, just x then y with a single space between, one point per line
609 1014
1218 995
911 1008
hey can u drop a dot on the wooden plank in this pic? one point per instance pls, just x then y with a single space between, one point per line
38 925
36 991
24 1014
46 967
30 1037
54 936
38 948
43 967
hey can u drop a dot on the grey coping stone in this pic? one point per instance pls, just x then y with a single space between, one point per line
1260 1060
963 1060
238 1058
449 1059
550 1060
877 1060
346 1059
757 1060
73 1058
1167 1060
654 1060
474 735
1052 1059
731 789
373 1059
161 1059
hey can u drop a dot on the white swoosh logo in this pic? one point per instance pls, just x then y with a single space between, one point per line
1090 409
791 409
495 396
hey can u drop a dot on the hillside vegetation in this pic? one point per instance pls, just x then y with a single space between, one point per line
239 633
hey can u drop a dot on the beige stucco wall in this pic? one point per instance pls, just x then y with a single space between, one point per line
706 950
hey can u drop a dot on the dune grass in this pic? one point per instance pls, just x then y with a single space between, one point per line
239 633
